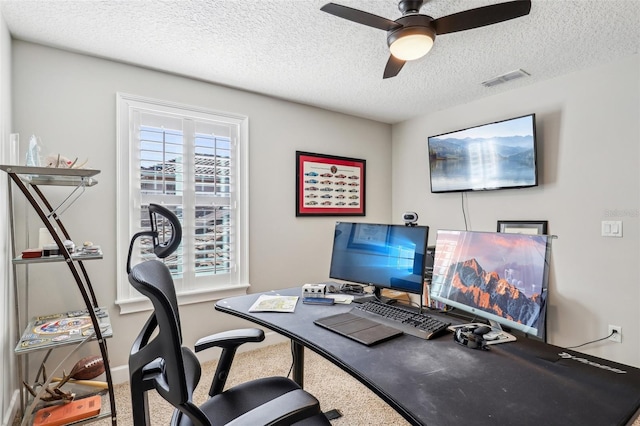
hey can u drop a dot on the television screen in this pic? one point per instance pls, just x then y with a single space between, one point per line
498 155
386 256
500 277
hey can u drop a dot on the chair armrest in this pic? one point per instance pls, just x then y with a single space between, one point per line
286 409
229 342
230 339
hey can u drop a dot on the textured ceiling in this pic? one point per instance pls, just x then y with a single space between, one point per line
291 50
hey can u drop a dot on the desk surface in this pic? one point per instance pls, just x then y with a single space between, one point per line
438 382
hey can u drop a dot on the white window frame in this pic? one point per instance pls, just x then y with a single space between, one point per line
127 106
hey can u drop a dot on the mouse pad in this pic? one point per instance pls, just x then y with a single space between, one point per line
362 330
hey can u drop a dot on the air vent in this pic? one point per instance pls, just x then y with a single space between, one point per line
505 77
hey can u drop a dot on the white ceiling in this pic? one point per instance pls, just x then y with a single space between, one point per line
291 50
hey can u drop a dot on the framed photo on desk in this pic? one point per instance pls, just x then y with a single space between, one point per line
327 185
530 227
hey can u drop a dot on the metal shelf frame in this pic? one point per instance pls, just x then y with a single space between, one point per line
28 180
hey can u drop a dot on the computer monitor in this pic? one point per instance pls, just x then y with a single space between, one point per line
385 256
499 277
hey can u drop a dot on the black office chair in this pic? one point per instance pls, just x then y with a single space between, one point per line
159 361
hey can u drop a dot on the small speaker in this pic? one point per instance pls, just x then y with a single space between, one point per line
428 261
314 290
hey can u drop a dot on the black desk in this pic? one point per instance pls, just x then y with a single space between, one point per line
438 382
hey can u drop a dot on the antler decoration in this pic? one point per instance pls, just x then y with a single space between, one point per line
53 392
86 368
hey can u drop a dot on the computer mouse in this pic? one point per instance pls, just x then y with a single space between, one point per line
483 329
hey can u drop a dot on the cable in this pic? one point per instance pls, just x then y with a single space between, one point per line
464 215
593 341
351 289
416 304
292 361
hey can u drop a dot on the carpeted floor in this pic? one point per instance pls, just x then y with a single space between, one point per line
334 388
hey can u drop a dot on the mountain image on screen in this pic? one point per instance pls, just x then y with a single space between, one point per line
491 156
473 286
510 148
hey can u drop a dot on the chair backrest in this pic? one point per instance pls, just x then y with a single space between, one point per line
158 359
168 244
165 232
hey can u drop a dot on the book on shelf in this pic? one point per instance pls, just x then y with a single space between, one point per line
70 412
62 328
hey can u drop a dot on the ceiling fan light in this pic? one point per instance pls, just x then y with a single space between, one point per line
411 42
411 47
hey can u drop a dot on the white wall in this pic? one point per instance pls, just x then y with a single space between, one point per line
588 126
8 398
69 101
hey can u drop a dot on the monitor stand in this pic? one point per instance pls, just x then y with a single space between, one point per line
364 299
498 335
495 336
376 295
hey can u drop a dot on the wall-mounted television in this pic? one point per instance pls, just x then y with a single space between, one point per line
491 156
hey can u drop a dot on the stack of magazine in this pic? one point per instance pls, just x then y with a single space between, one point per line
62 328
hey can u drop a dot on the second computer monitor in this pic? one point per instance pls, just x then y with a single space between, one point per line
385 256
496 276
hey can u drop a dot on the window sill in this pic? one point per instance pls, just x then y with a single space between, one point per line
140 304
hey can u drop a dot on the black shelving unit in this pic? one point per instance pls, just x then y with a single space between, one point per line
29 180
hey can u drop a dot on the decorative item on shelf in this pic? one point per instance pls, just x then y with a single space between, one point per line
62 328
68 413
85 369
62 162
44 237
31 253
33 152
69 245
88 248
52 393
14 149
50 250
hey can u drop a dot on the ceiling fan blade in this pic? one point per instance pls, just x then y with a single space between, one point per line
481 16
360 17
394 65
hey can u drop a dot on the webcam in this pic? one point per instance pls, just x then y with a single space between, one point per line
410 218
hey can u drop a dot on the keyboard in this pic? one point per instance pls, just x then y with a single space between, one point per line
406 320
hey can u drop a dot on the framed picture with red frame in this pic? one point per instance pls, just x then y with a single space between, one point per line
327 185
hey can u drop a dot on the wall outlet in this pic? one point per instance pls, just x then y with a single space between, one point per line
617 336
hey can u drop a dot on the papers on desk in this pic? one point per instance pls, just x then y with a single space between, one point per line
269 303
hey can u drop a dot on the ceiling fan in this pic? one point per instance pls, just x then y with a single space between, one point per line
412 35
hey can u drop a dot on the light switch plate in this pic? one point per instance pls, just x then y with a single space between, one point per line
612 228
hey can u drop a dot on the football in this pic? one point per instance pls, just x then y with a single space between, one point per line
87 368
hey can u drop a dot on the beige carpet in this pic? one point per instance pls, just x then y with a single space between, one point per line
333 387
